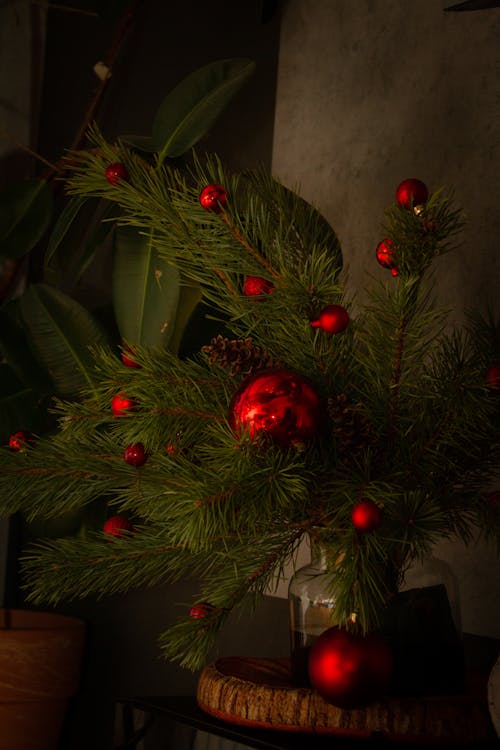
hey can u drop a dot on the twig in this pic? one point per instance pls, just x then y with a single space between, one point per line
9 137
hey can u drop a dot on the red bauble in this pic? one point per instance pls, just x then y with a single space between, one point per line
213 198
255 286
117 525
135 455
384 253
121 405
493 377
411 192
350 670
366 516
332 319
493 499
279 404
200 610
21 440
116 172
127 358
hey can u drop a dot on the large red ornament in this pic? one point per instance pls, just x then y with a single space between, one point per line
332 319
135 454
115 173
279 404
255 286
127 358
121 405
366 516
213 198
411 193
384 253
117 525
21 440
350 670
200 610
493 377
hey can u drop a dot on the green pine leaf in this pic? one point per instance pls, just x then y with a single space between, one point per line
25 214
61 331
145 291
190 110
140 142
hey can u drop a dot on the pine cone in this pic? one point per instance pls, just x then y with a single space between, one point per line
351 428
238 356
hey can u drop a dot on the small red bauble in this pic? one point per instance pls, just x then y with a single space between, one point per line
117 525
411 193
384 253
213 198
255 286
21 440
350 670
127 358
332 319
366 516
200 610
279 404
121 405
493 499
135 455
493 377
116 172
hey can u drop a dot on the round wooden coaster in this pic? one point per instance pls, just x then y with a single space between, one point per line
258 693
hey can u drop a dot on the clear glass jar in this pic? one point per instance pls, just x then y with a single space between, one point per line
311 610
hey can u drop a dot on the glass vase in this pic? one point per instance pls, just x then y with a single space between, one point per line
311 610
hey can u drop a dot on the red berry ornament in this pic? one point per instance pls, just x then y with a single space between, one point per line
366 516
411 193
117 526
255 286
127 358
493 377
279 404
384 253
200 610
116 172
21 440
350 670
213 198
135 455
332 319
121 405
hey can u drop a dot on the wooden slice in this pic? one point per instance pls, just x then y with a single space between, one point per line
258 692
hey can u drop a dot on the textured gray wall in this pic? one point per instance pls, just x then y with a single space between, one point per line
371 92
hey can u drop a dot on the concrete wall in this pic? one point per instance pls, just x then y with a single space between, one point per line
371 92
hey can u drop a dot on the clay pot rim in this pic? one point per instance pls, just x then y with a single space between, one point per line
33 620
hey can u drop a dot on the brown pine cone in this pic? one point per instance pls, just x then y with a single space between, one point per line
238 356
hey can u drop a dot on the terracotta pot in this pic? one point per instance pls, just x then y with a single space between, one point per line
40 662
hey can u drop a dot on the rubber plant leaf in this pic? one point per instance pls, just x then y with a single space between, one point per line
25 214
63 224
17 353
19 408
61 331
140 142
145 291
191 108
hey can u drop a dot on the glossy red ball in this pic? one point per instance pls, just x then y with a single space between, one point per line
255 286
117 526
332 319
200 610
384 252
121 405
279 404
411 193
127 357
366 516
493 377
115 173
135 455
21 440
350 670
213 198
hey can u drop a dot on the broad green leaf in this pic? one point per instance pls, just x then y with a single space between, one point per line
189 297
63 224
145 291
61 332
190 110
140 142
95 239
25 214
17 353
